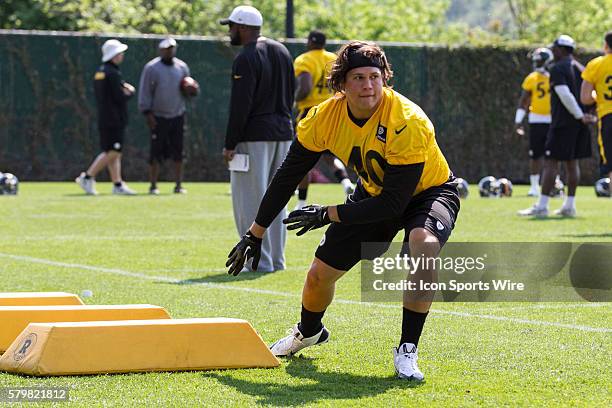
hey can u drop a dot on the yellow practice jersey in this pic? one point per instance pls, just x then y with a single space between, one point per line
398 133
318 64
599 73
538 84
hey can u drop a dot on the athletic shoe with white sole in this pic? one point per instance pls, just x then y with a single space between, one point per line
87 184
533 193
534 211
294 342
123 189
566 212
405 361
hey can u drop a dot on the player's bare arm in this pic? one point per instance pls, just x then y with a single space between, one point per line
304 86
587 93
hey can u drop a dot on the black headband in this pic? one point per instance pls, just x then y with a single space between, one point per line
358 60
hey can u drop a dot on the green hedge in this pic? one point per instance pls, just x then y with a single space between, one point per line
48 125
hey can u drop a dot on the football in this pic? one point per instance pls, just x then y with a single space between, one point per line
189 86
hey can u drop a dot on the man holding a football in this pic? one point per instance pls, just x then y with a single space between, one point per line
165 83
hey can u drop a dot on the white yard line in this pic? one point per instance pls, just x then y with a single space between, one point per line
144 276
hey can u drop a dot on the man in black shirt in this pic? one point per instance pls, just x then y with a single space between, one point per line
112 93
259 128
566 137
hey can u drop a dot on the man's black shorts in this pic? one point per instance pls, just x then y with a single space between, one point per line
583 144
568 143
167 139
605 140
111 138
434 209
537 139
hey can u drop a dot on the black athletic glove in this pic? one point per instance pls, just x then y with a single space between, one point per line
248 247
308 218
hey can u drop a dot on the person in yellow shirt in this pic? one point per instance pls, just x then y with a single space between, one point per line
311 71
597 88
404 184
535 99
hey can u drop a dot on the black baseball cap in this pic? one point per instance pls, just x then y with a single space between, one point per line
316 37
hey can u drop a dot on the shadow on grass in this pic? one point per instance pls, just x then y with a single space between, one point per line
553 218
83 195
327 385
602 235
223 278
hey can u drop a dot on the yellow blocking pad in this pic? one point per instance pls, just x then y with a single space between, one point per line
38 299
13 319
136 346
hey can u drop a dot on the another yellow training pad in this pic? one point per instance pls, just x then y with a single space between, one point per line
136 346
38 299
13 319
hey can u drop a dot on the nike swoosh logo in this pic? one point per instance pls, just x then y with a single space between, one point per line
398 131
237 76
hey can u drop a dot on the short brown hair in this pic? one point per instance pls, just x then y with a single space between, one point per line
608 38
363 51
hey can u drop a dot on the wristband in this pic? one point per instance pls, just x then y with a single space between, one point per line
519 116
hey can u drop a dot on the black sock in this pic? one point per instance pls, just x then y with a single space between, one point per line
302 193
340 175
412 326
118 184
87 176
310 324
153 186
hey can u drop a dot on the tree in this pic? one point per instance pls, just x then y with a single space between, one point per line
539 21
533 21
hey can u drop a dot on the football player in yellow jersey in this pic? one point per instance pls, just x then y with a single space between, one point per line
535 99
597 78
311 71
404 184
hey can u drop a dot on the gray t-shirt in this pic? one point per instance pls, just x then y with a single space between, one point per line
159 89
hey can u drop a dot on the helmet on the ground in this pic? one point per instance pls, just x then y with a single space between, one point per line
462 187
602 187
505 187
558 188
488 187
9 184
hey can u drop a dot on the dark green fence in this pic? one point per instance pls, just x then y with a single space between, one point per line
48 127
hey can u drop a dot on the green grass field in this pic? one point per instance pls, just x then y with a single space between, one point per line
170 251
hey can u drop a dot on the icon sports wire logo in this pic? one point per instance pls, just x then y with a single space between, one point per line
488 271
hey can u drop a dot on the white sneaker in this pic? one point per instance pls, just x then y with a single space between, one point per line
566 212
294 342
534 211
88 185
533 193
405 361
123 189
